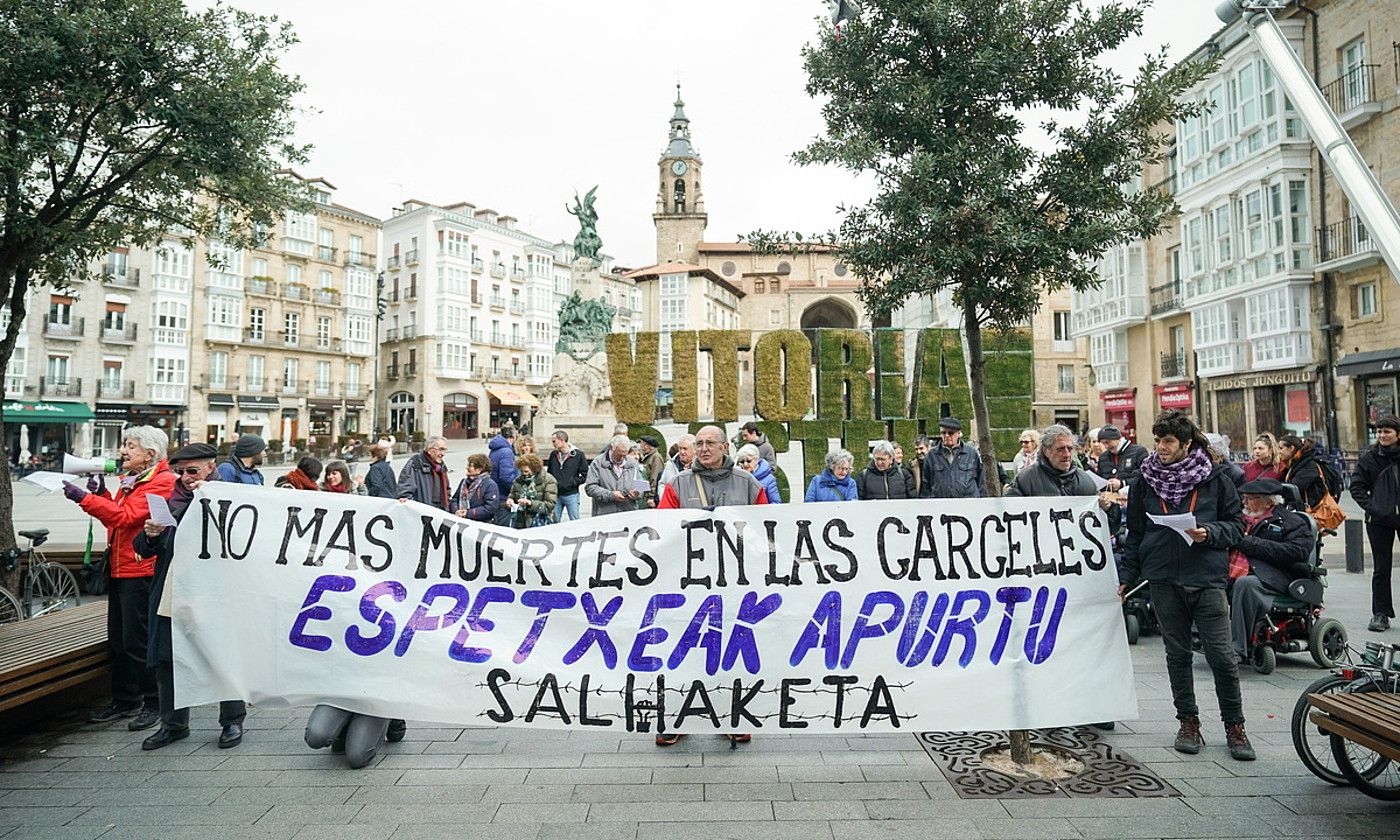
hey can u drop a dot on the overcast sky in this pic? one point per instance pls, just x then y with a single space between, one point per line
513 105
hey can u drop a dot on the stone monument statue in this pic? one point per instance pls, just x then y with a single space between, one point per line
586 244
578 398
582 325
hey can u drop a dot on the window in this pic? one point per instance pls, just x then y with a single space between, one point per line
218 369
58 370
1356 88
326 244
1062 329
291 368
115 319
112 375
301 226
1195 247
293 274
259 267
60 310
1066 377
1365 296
257 324
291 327
327 280
172 314
256 366
355 249
167 371
323 378
775 317
1220 219
323 332
1252 215
352 379
1210 325
225 313
674 284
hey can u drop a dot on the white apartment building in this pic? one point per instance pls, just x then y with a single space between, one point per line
468 335
1241 174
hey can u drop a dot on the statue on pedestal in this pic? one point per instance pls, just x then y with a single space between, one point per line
586 244
582 325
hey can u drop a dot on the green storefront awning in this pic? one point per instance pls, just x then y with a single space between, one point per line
47 412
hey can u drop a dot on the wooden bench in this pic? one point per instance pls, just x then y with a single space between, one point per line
1370 719
43 655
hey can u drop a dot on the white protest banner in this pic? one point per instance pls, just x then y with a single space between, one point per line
868 616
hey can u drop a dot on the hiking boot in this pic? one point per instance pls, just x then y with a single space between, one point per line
144 719
1240 748
1379 623
397 729
1188 737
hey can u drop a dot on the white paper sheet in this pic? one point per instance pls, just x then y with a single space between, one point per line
51 482
160 511
641 485
1099 481
1178 522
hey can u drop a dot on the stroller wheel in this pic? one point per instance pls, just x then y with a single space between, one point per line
1327 642
1134 627
1265 659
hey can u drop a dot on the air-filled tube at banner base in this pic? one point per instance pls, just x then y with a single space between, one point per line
860 616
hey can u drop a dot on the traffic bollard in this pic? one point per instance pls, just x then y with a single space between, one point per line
1355 537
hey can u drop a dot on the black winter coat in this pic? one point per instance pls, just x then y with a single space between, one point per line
1375 485
1160 555
893 483
380 481
1305 473
1124 465
1275 546
571 473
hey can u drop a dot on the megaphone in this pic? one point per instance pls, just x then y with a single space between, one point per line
88 466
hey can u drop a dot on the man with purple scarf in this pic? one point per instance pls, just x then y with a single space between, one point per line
1187 570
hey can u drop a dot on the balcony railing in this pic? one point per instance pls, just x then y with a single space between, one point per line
327 344
477 336
289 339
477 265
498 302
517 274
166 392
216 382
1164 298
296 291
391 372
125 334
410 331
256 385
352 392
353 258
1347 240
325 253
115 389
255 335
121 275
391 334
64 329
259 285
411 293
497 338
392 262
66 387
410 257
1174 365
292 386
1111 375
517 307
498 270
327 297
1105 313
410 369
321 389
1352 90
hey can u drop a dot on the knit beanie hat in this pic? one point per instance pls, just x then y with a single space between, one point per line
248 446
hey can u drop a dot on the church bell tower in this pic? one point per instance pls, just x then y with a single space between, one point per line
680 205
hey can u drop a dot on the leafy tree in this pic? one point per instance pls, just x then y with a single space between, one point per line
931 98
122 121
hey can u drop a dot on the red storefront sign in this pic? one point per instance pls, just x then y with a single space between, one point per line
1119 400
1174 396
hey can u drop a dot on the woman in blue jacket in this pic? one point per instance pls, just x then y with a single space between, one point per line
747 458
835 483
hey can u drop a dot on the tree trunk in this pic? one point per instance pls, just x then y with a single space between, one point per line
977 381
1021 751
18 295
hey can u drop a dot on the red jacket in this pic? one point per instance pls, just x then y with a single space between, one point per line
125 515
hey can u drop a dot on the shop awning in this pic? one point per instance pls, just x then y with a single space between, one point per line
514 396
221 399
47 412
258 402
1370 362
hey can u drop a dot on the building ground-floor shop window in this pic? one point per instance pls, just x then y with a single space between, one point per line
459 416
1120 409
1229 417
1379 397
403 414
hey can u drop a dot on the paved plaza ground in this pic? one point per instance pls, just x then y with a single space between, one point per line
62 778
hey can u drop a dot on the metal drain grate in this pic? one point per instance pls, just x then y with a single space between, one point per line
1108 773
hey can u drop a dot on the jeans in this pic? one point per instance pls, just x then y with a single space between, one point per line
178 720
1177 608
566 503
1382 553
128 604
363 734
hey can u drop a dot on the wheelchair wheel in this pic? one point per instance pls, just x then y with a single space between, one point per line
1313 745
1134 628
1265 659
1369 772
1327 641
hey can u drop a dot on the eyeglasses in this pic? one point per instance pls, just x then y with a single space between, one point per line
189 470
949 432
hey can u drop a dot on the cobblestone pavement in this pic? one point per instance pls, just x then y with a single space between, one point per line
81 781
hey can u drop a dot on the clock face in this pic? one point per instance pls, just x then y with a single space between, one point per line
679 167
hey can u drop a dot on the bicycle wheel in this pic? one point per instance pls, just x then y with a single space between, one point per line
10 610
51 588
1369 772
1313 745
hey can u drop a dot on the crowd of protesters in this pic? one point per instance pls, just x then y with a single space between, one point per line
1207 591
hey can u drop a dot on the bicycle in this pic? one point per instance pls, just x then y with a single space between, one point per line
1333 759
48 586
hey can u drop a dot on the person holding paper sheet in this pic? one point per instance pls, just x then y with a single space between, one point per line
612 479
533 494
1121 459
1188 579
129 593
194 464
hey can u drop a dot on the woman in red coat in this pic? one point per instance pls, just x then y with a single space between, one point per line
1265 462
124 513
